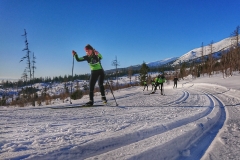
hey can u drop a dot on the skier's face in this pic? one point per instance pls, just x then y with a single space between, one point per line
89 52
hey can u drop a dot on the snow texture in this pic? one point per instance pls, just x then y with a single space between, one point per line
198 120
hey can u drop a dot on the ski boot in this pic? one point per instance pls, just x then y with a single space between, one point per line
90 103
104 100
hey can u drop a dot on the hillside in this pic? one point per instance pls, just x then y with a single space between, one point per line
197 52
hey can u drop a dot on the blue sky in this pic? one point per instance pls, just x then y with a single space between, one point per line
133 30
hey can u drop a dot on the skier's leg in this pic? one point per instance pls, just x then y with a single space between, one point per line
92 82
156 85
161 86
175 84
162 89
101 86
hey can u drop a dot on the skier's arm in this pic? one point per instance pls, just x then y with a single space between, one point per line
80 59
99 56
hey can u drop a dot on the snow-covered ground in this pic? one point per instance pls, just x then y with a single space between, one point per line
198 120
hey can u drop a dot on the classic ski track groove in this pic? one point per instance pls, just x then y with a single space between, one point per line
207 137
209 120
110 147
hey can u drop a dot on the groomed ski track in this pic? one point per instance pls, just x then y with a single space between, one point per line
185 137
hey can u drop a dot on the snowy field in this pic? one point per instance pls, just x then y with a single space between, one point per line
198 120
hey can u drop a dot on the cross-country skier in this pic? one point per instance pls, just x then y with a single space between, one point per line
175 81
145 85
159 82
93 58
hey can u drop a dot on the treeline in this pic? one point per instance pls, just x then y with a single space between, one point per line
60 79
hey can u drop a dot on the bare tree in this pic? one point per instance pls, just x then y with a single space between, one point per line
116 63
130 72
235 51
210 59
27 56
33 65
202 58
223 64
29 67
202 53
24 75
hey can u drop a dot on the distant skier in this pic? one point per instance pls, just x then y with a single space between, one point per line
145 85
175 80
93 58
159 82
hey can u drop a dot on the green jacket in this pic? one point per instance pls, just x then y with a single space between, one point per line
93 61
160 80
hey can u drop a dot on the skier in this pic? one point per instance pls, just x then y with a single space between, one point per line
145 85
175 81
159 82
93 58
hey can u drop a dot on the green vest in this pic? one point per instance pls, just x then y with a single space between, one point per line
161 80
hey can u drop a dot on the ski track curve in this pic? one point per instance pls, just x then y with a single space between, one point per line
227 143
155 138
158 148
197 149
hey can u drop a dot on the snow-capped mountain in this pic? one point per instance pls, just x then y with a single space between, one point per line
149 64
222 45
161 62
197 52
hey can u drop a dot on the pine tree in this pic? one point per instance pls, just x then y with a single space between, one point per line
143 73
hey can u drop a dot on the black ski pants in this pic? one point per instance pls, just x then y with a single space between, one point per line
160 85
97 75
175 84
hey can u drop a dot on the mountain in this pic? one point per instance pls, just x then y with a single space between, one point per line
193 54
197 52
161 62
149 64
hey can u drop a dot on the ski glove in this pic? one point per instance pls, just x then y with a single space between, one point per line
74 53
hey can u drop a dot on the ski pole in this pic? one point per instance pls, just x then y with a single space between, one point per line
72 79
112 92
